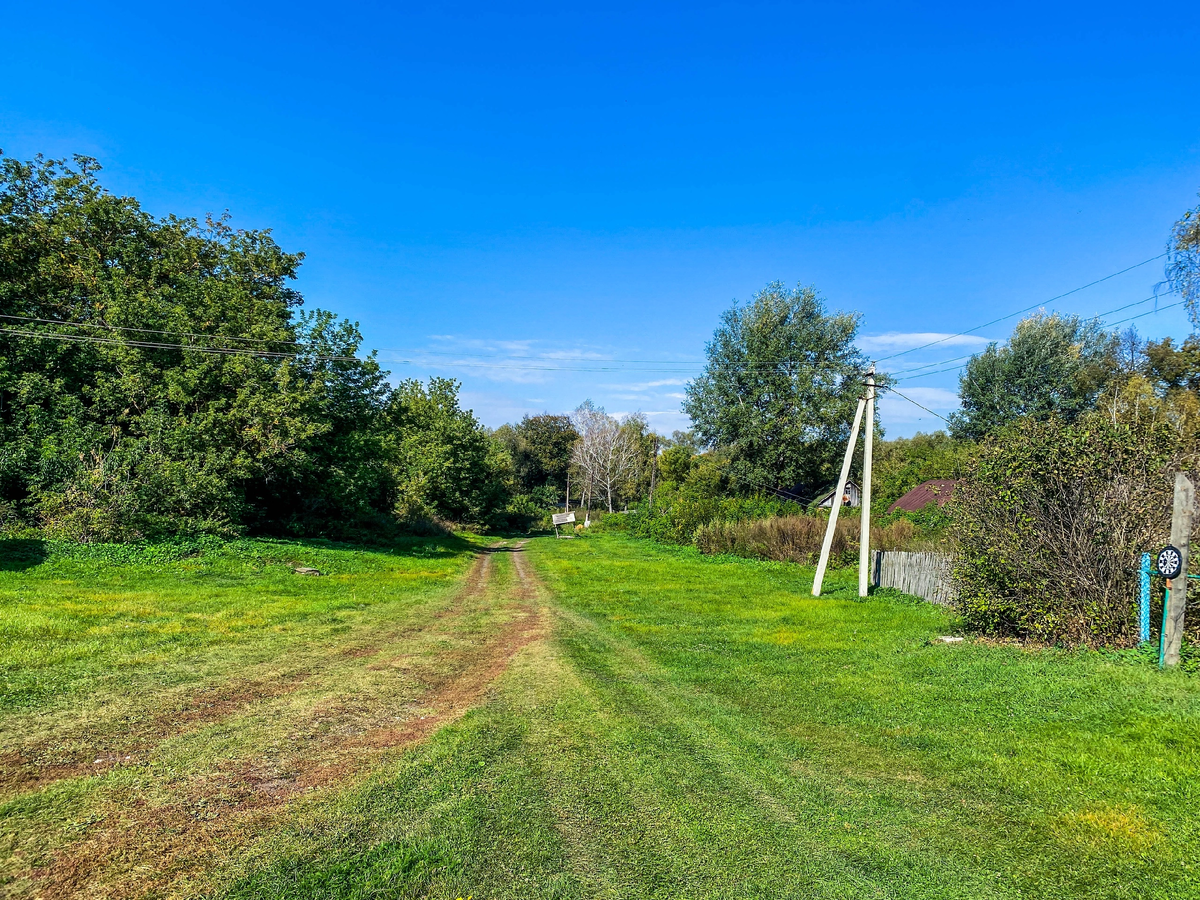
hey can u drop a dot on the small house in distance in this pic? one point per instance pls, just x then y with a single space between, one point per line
936 490
850 497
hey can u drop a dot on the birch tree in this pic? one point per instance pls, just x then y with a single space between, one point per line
1183 261
606 454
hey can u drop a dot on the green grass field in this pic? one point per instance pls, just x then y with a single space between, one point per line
606 718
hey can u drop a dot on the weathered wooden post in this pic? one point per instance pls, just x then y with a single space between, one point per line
1173 609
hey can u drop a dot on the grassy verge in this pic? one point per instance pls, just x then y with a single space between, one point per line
89 623
702 727
163 708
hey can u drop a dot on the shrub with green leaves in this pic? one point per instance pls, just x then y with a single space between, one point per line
1052 521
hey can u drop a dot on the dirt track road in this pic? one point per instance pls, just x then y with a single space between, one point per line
185 790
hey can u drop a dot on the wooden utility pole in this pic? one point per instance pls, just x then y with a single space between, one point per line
837 500
864 537
1173 609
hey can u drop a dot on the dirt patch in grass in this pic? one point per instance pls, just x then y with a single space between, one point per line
95 747
100 747
142 846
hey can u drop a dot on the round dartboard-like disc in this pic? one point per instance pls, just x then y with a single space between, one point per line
1170 562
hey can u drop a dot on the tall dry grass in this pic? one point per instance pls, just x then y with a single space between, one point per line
798 538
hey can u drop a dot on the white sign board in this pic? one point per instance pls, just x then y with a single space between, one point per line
563 518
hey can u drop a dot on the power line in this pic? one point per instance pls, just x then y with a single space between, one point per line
787 495
931 365
154 345
953 368
948 337
221 337
1150 313
1099 316
915 403
266 354
408 351
671 367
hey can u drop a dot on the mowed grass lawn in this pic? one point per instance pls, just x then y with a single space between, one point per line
163 708
702 727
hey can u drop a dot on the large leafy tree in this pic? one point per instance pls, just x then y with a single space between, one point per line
159 375
130 402
1052 366
444 462
1172 368
779 390
540 450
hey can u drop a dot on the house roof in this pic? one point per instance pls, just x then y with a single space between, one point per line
936 490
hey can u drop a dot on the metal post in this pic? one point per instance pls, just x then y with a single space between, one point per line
1176 602
837 500
864 537
1144 601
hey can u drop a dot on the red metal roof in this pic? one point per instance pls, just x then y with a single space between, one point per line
936 490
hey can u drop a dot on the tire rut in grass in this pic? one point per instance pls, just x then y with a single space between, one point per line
141 846
94 748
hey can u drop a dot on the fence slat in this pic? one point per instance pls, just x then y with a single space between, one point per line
922 574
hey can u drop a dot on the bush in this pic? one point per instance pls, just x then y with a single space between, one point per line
1051 522
98 504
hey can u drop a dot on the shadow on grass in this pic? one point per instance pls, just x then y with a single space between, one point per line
20 554
424 546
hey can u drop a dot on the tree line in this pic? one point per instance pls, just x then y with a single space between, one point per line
1064 448
160 375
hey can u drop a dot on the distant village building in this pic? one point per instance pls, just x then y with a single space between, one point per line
936 490
852 496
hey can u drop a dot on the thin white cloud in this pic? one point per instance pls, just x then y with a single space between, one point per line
499 369
463 343
650 414
524 348
906 340
506 361
585 355
643 386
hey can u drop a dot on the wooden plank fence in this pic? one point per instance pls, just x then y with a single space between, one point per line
925 575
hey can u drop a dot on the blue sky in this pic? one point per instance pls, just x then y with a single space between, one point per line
554 203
